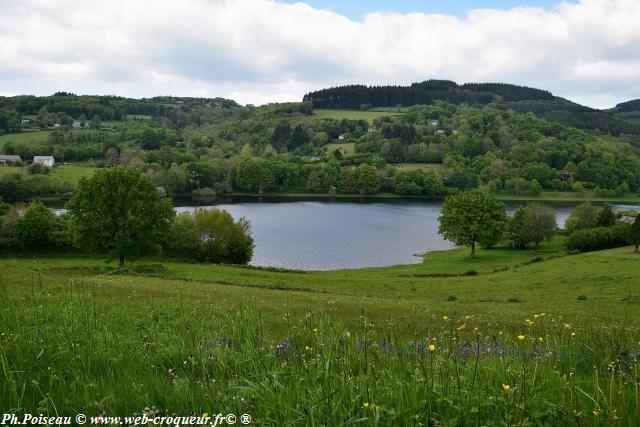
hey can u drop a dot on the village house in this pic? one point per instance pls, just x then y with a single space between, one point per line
9 159
47 161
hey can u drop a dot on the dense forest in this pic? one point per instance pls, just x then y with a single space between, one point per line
500 137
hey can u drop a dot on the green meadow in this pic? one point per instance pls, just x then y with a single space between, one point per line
25 137
512 337
351 114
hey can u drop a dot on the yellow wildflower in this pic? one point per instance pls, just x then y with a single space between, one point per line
445 317
521 337
461 327
596 413
205 415
506 387
432 347
365 405
315 329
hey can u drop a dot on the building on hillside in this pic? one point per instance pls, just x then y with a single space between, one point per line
25 121
47 161
9 159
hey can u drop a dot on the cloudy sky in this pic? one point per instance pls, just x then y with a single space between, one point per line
257 51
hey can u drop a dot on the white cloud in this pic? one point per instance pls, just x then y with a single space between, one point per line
259 51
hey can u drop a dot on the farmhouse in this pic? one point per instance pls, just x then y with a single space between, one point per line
8 159
44 160
626 219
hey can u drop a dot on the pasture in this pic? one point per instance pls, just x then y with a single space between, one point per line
346 148
511 337
351 114
25 137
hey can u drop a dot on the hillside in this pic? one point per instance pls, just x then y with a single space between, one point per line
519 98
192 144
174 338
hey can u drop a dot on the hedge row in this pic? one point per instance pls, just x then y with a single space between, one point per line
594 239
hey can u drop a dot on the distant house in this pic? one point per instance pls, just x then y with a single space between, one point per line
47 161
76 124
440 132
9 159
56 126
433 122
626 219
25 121
341 137
371 129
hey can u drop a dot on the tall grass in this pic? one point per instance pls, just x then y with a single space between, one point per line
74 349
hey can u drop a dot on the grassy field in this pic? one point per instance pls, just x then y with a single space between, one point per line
509 338
25 137
347 148
72 173
566 196
412 166
351 114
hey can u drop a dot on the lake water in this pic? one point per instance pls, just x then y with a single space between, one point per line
325 235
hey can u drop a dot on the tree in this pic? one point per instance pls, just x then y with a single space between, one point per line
119 211
224 239
583 216
539 223
606 216
514 227
183 239
472 217
367 179
35 230
634 233
4 207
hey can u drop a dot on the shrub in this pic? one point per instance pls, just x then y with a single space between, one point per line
594 239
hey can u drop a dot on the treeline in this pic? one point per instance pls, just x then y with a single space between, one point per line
360 96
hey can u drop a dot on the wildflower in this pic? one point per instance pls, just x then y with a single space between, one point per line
445 317
205 415
500 333
432 347
461 327
540 339
365 405
567 326
307 348
506 387
573 334
521 337
315 329
596 413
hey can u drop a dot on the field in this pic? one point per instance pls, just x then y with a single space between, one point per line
350 114
412 166
72 173
347 148
509 338
25 137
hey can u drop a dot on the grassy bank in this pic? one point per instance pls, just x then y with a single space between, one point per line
434 343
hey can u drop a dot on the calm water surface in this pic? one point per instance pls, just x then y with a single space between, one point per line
319 235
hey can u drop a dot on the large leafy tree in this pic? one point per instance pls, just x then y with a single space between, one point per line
539 223
224 239
472 217
119 211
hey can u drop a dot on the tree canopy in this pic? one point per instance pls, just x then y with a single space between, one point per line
119 211
472 217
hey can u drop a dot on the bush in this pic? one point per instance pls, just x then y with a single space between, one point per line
594 239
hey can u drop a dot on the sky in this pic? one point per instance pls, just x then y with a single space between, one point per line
259 51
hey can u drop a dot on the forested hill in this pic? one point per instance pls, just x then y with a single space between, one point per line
360 96
628 107
519 98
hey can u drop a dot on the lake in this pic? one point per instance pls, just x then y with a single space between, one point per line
326 235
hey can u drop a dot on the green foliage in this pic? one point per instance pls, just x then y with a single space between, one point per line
472 217
4 207
183 239
606 217
225 241
419 182
37 229
583 216
119 211
367 179
593 239
539 223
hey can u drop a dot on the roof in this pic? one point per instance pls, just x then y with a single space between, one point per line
10 157
42 158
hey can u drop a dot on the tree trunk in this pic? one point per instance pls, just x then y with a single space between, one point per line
473 249
537 243
121 262
636 247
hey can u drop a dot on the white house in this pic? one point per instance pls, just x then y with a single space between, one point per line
47 161
9 159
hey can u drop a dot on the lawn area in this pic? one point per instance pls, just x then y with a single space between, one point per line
72 173
514 344
25 137
8 170
351 114
347 148
138 117
567 196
